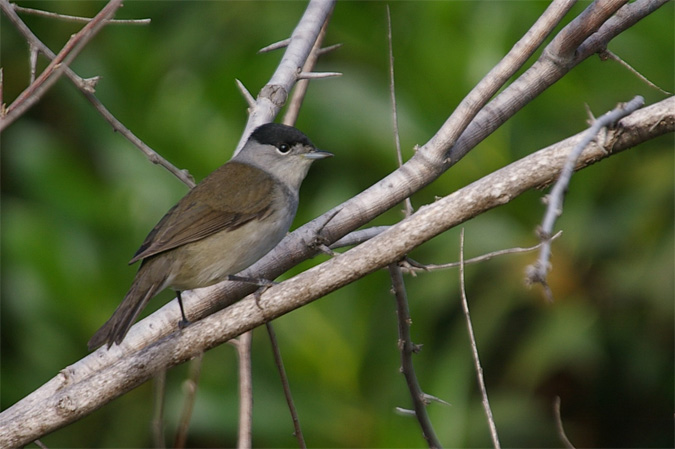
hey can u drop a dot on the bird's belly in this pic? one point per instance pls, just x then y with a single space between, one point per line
210 260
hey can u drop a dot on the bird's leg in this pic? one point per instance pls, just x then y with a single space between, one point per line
262 283
183 322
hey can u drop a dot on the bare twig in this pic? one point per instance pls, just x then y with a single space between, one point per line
190 387
394 108
53 15
559 424
416 266
2 89
537 273
474 348
158 392
243 345
607 54
407 348
53 71
278 360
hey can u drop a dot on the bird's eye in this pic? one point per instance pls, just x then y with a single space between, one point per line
284 148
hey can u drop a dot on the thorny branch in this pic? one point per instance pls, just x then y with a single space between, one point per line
407 349
537 273
55 69
66 17
86 86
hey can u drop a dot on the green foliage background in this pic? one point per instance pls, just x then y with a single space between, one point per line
77 200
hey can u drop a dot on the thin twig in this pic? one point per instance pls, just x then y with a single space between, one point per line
407 348
394 108
158 392
537 272
55 69
474 348
278 360
243 346
53 15
607 54
2 88
416 266
559 424
190 385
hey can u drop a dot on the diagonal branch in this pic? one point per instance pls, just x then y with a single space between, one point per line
55 69
408 348
86 86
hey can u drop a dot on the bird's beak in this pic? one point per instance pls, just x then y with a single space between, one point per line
317 154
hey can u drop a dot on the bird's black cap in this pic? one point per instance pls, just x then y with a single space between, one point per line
276 134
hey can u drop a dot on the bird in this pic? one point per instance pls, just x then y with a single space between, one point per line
228 221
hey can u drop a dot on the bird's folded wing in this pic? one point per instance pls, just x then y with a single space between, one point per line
226 206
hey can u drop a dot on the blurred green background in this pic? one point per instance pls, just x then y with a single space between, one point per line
78 199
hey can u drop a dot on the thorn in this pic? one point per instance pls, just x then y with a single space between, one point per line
328 49
275 46
405 411
245 93
427 398
317 75
89 84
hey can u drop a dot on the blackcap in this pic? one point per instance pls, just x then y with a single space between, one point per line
227 222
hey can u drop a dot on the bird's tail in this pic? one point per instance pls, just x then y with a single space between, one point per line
144 287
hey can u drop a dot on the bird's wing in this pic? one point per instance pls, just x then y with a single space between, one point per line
237 193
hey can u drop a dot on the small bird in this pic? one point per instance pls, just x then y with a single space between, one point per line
227 222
